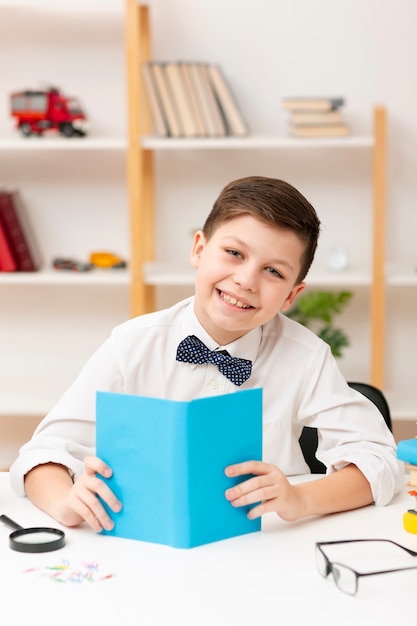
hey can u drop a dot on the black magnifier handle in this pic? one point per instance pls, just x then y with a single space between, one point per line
10 523
39 539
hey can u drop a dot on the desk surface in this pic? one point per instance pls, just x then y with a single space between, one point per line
268 577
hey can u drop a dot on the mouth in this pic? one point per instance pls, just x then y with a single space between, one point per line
231 300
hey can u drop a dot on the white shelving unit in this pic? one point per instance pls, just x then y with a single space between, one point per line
151 158
75 194
76 191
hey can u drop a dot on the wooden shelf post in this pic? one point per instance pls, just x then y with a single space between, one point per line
139 161
378 269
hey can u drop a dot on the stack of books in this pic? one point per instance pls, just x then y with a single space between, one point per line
316 117
18 248
407 452
188 99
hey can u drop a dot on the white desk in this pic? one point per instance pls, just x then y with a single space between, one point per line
268 577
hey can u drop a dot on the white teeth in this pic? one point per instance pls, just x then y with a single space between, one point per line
235 302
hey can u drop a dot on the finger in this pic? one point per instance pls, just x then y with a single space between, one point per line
96 487
95 465
249 467
251 492
86 493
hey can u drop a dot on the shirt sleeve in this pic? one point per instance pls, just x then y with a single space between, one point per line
351 430
68 433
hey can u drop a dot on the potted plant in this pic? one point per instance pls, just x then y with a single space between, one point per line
316 310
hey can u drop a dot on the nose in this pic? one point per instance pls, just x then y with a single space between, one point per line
246 277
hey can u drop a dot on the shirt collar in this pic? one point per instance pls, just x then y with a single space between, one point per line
245 347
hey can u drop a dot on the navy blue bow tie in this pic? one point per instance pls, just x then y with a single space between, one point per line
192 350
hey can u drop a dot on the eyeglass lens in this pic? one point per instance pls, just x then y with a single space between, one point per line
345 578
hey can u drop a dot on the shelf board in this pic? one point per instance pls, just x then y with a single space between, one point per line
95 7
61 143
52 277
160 274
31 398
253 142
402 279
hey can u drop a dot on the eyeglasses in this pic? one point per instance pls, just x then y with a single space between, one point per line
346 578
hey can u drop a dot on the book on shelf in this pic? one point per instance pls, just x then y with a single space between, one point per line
190 99
316 117
198 114
169 106
182 98
168 459
19 233
156 109
235 124
214 122
313 104
7 260
316 130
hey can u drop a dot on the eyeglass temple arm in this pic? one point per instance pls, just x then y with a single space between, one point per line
385 571
330 543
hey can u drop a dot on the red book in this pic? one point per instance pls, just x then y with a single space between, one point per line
7 260
20 238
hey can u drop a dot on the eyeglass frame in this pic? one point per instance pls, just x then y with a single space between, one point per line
329 564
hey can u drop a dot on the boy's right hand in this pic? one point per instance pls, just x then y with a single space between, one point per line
50 487
86 492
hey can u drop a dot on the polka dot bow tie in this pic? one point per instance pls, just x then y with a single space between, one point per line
192 350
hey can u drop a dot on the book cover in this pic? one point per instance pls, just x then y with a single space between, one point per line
159 122
182 99
235 123
313 104
168 460
188 80
18 231
329 130
7 260
171 114
316 117
213 121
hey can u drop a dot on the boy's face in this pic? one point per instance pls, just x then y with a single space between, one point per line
246 273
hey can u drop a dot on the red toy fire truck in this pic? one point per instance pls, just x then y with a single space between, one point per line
38 111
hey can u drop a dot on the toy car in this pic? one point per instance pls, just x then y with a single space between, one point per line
61 263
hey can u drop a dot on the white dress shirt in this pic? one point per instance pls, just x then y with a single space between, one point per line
302 386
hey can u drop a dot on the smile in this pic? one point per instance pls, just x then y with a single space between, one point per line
233 301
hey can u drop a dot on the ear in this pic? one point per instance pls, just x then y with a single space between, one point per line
292 296
197 249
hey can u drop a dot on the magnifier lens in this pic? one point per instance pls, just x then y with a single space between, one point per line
35 537
40 539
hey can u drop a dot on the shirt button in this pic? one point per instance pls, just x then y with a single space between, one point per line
214 384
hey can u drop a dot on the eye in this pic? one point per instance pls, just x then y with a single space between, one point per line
274 272
234 253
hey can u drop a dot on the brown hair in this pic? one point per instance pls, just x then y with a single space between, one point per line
274 201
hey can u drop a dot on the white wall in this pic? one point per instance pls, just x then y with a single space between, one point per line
364 50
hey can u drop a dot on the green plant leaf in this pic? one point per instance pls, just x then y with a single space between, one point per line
316 307
336 339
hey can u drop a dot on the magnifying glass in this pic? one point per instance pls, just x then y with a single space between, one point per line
38 539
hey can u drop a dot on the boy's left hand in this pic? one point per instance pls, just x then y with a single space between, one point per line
268 486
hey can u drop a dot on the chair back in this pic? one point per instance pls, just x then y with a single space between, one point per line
309 439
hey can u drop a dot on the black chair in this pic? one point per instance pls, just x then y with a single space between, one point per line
309 440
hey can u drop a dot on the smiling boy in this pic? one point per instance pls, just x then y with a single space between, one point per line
251 259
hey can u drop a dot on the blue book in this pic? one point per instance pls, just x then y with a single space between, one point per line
407 451
168 460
